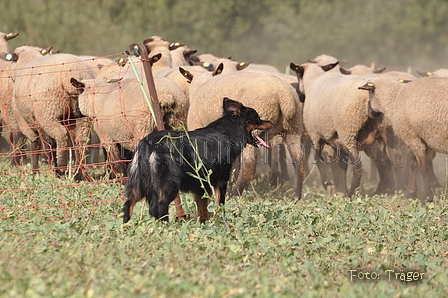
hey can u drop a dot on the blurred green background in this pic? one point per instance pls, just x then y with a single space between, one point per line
392 33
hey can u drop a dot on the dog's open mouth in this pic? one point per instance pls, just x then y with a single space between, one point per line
259 141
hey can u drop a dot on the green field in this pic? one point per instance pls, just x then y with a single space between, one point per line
69 241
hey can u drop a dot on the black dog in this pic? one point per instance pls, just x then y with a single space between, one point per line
163 161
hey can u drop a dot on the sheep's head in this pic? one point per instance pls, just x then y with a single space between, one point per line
299 70
372 112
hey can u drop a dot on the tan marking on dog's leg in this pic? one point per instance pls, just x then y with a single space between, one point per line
202 208
180 212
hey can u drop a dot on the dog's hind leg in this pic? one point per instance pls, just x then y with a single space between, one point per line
128 206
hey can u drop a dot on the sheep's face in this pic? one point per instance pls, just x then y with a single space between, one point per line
299 70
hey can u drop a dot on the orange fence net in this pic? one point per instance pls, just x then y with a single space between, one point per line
88 177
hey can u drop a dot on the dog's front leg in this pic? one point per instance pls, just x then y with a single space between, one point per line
180 212
202 207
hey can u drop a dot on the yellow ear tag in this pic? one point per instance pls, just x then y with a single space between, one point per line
176 44
429 73
218 71
121 60
400 81
8 57
370 84
8 35
242 63
44 52
135 47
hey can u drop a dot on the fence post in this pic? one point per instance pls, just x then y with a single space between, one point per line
147 67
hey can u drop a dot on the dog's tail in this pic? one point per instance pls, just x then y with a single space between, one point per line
133 191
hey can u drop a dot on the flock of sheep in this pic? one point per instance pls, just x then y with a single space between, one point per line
67 101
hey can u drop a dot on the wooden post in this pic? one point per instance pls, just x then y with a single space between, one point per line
147 67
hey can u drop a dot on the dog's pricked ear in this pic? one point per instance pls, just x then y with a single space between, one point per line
232 106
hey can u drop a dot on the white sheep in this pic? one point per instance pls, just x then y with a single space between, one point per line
121 115
335 113
45 101
418 114
14 62
272 97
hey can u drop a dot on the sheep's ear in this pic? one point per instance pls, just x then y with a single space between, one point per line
148 40
404 81
242 65
12 57
425 74
367 86
175 45
46 51
379 70
297 68
207 65
189 52
121 62
232 106
155 58
219 69
111 81
77 84
329 66
186 74
345 71
10 36
312 61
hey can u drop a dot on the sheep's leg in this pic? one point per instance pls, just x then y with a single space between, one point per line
58 132
117 167
423 162
339 167
202 207
394 156
17 141
435 184
298 160
246 171
283 166
94 150
274 157
355 159
381 161
412 177
307 147
323 171
27 132
35 146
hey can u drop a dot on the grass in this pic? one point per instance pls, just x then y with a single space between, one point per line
72 243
